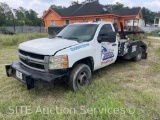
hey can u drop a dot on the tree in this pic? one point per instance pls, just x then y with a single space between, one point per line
91 0
20 13
58 7
32 16
22 16
44 12
5 14
74 2
148 16
116 6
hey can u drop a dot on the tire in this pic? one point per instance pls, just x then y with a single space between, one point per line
139 55
80 77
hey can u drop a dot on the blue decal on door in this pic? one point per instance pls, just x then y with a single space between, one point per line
79 47
106 54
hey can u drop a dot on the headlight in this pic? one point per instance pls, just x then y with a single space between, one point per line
58 62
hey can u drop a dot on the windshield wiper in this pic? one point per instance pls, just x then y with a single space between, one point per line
72 38
59 36
75 38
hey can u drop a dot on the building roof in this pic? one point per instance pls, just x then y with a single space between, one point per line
93 8
157 15
125 12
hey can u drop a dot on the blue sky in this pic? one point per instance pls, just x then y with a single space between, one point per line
40 5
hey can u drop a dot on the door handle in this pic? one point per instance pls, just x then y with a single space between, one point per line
114 44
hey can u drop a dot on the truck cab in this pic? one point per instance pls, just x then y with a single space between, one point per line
73 55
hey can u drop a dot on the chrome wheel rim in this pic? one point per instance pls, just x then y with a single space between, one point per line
82 79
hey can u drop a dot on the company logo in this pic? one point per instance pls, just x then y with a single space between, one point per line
106 54
27 59
79 47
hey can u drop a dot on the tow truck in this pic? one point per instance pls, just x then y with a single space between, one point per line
74 54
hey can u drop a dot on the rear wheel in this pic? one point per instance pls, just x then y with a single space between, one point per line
80 77
139 55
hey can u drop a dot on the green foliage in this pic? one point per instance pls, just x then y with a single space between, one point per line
123 91
21 16
149 44
2 28
2 21
91 0
29 18
74 2
148 16
116 6
158 52
155 67
55 6
5 14
11 40
154 33
137 36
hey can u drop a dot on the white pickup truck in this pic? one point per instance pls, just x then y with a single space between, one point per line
73 55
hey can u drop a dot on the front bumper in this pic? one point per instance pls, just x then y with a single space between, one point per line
29 76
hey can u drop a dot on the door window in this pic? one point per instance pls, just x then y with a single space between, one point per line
106 29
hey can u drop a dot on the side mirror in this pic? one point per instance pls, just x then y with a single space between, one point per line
109 37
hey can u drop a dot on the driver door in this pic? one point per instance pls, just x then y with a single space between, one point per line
108 50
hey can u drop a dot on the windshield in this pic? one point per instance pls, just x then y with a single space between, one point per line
82 32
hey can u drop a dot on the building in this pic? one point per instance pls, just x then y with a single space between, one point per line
157 20
137 22
89 12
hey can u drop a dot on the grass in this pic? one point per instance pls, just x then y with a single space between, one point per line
154 33
137 37
125 90
11 40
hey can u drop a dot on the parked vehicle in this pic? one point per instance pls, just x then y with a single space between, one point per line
6 32
159 34
74 54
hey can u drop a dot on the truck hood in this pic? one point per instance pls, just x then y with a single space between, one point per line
46 46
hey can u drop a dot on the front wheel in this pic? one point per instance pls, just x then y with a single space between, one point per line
139 55
80 77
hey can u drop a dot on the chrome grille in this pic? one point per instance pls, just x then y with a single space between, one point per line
35 65
33 61
32 55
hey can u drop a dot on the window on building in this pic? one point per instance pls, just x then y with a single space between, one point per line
130 21
98 19
67 22
135 21
114 20
52 22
